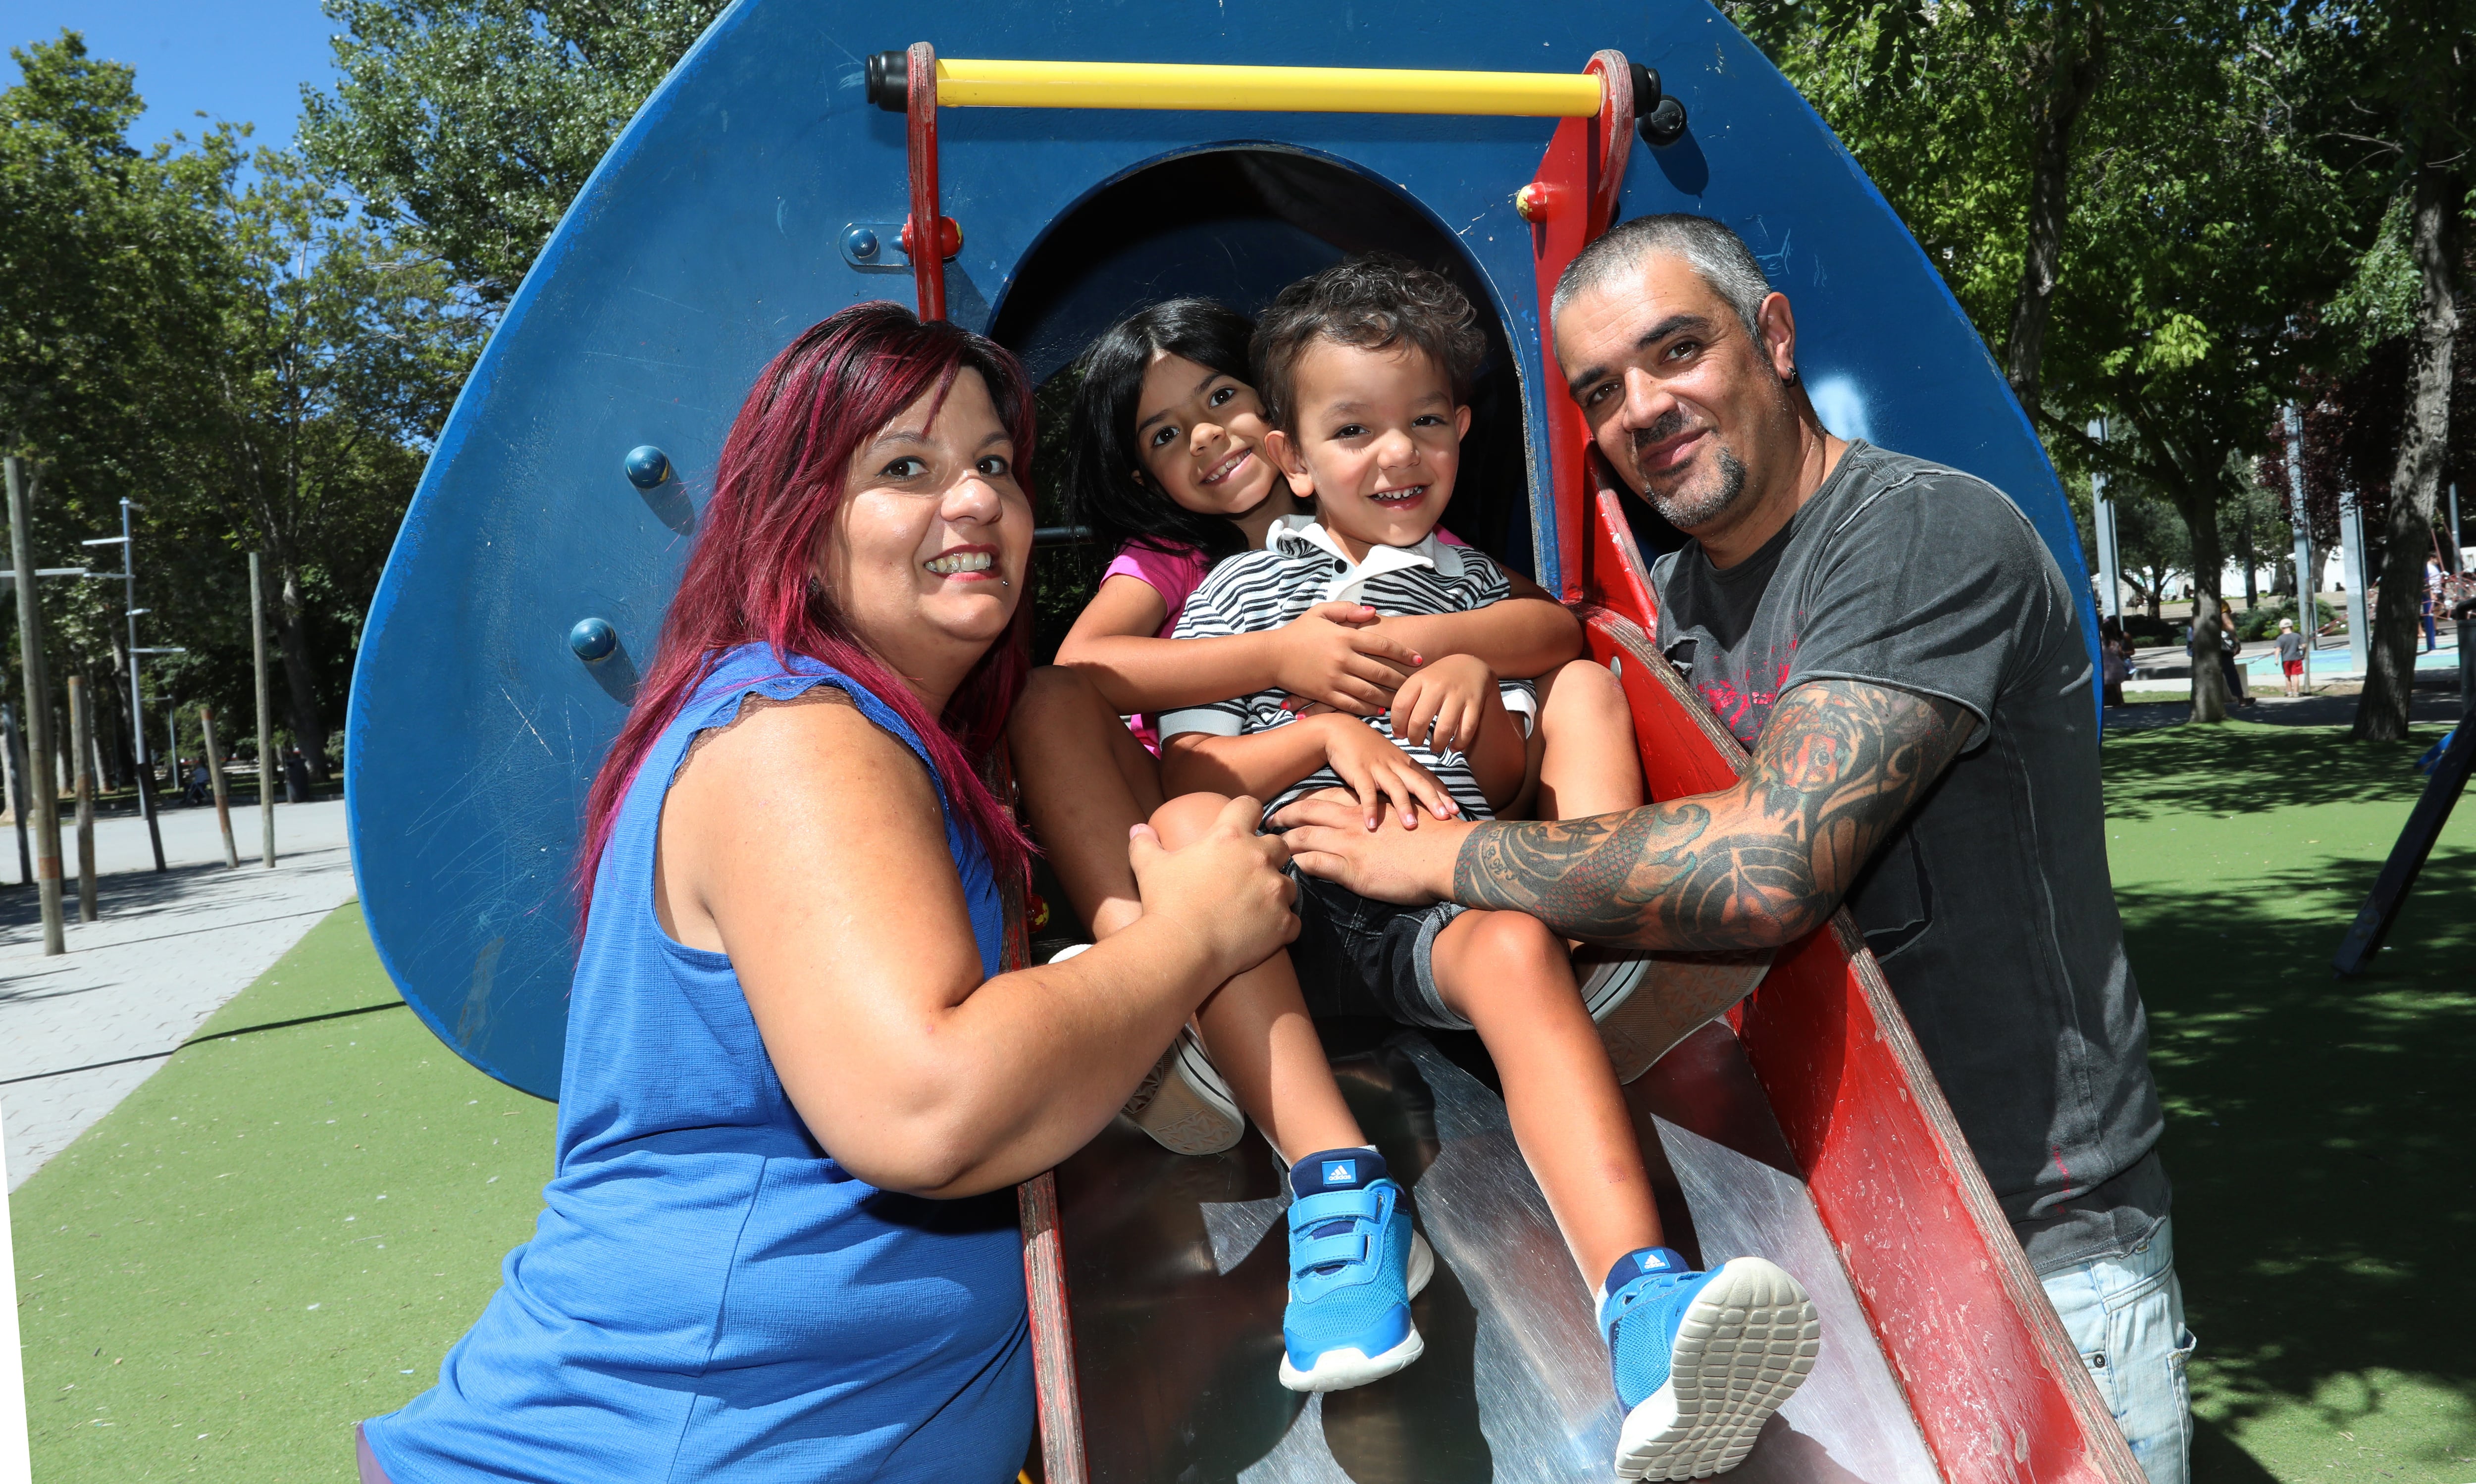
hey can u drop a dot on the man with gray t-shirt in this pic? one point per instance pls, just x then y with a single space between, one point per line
1899 652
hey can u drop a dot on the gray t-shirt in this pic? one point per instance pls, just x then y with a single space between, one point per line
2291 646
1989 908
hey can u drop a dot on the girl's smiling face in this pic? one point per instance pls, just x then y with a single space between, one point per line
1200 435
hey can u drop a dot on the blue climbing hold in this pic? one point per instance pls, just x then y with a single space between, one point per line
648 467
593 640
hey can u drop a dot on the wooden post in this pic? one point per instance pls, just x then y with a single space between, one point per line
82 746
215 772
266 765
42 790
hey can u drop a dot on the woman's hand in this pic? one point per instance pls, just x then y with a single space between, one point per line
1450 697
1375 771
1224 889
1333 653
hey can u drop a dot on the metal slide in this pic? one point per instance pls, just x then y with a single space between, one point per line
1180 1265
1062 175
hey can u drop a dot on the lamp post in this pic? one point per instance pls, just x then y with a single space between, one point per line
2308 599
2110 564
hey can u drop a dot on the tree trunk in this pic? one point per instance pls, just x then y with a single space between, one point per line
2074 66
2424 447
2208 572
292 641
120 744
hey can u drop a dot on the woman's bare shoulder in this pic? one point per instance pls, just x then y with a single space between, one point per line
817 743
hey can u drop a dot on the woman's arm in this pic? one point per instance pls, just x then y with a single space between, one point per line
1523 636
808 844
1334 654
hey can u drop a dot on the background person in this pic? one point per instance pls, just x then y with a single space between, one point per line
2290 657
1923 751
779 1243
2114 659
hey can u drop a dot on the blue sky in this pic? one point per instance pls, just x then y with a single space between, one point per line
234 59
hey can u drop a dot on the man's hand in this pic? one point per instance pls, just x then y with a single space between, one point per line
1333 653
1449 696
1329 835
1839 766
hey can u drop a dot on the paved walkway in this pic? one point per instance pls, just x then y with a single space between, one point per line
167 951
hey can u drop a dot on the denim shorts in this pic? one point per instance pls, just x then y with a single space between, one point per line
1358 956
2125 1314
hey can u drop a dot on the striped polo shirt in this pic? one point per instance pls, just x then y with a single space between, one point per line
1302 565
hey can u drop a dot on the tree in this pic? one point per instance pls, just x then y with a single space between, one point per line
2405 73
340 354
2207 220
258 369
101 312
1970 119
471 124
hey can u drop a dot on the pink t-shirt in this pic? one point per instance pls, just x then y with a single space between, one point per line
1176 575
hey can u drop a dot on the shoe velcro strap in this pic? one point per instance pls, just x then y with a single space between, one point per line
1336 1205
1349 1246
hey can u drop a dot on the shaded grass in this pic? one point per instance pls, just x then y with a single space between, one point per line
2317 1129
275 1236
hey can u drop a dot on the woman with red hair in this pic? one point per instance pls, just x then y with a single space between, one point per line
779 1243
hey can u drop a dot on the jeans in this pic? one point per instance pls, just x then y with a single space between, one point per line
2126 1316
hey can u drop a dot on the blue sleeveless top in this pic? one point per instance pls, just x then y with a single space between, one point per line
707 1295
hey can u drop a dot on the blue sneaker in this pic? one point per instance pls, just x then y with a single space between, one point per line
1702 1359
1354 1266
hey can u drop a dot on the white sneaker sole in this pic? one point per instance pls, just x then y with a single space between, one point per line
1638 1027
1748 1340
1183 1102
1342 1369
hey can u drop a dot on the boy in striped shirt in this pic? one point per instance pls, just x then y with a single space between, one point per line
1364 371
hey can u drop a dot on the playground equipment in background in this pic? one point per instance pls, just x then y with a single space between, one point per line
768 184
2446 766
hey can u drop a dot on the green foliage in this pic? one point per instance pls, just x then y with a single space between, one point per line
2261 623
1930 98
2200 217
471 124
256 368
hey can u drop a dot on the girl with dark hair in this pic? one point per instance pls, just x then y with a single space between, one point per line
1166 465
778 1243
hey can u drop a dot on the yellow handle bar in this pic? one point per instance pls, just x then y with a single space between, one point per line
962 83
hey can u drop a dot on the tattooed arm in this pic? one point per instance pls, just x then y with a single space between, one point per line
1840 764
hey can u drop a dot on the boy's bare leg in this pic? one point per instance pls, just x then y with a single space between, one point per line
1589 765
1500 758
1507 973
1085 782
1259 1034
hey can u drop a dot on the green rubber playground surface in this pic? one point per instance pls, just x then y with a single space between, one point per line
281 1232
275 1236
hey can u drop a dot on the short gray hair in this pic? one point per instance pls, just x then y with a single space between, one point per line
1718 256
